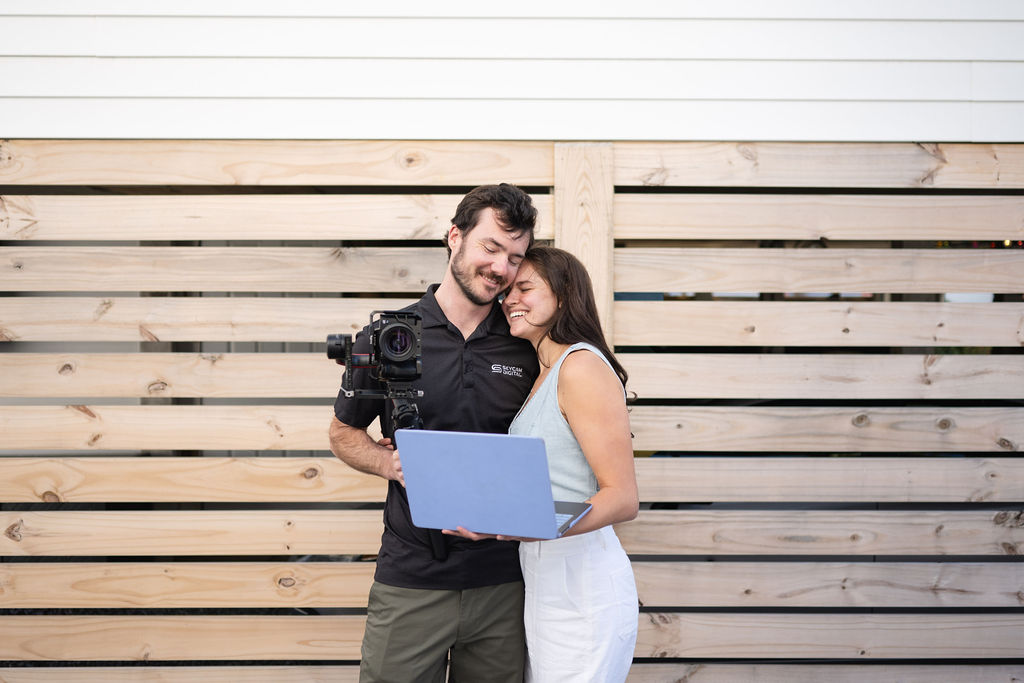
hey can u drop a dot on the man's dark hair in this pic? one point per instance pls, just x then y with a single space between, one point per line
513 210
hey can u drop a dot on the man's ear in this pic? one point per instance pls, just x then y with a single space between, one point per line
454 235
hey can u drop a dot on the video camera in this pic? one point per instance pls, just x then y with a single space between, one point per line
395 359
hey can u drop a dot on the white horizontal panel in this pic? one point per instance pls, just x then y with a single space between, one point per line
754 9
998 81
523 38
994 121
535 79
496 119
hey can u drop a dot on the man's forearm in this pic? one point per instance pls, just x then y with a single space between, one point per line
355 448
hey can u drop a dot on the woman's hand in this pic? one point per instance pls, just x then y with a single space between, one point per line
473 536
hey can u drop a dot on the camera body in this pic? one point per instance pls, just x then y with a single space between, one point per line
395 358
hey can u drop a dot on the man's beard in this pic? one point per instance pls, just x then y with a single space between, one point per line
464 279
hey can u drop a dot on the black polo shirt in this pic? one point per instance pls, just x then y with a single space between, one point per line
470 385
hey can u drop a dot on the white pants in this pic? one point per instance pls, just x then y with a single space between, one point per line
581 608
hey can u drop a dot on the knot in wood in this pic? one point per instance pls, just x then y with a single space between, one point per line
287 582
13 532
66 369
157 387
1006 444
412 159
944 423
311 473
861 420
50 497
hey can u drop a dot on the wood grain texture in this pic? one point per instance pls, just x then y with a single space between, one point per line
743 429
96 479
827 376
190 532
273 162
236 217
584 196
817 217
795 164
187 479
813 672
168 638
672 532
830 430
822 479
219 318
824 532
342 673
817 323
839 636
158 585
829 584
710 375
221 269
819 270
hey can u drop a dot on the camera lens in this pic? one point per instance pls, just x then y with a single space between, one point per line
397 342
336 345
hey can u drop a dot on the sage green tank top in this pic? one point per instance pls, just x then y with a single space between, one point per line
571 477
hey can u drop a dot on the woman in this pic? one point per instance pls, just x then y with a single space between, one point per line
581 602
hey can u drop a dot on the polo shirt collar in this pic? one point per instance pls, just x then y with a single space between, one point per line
433 316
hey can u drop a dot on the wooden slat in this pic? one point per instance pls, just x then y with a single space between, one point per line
133 427
819 270
639 673
772 636
190 479
674 428
824 532
166 638
170 374
238 319
189 532
829 376
152 585
723 479
818 479
817 323
854 430
840 636
273 162
236 217
713 375
817 217
675 532
584 196
829 584
150 674
815 164
813 672
232 269
343 673
127 585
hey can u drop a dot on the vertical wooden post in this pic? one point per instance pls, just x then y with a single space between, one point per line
584 191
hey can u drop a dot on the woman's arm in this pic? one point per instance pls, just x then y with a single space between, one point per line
590 397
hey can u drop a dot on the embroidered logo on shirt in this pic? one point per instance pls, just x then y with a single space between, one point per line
510 370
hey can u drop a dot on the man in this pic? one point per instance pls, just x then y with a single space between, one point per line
438 598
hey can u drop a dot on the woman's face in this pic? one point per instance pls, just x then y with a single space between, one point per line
530 305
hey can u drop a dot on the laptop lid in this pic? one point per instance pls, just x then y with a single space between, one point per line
487 483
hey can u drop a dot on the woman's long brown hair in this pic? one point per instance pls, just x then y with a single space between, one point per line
576 319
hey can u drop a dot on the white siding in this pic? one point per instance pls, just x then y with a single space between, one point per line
687 70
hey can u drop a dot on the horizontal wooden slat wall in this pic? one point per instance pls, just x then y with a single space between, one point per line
808 394
828 451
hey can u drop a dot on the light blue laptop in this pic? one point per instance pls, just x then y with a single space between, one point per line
487 483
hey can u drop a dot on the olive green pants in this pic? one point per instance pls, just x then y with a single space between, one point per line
412 635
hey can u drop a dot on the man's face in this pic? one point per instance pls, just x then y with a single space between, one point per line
485 260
